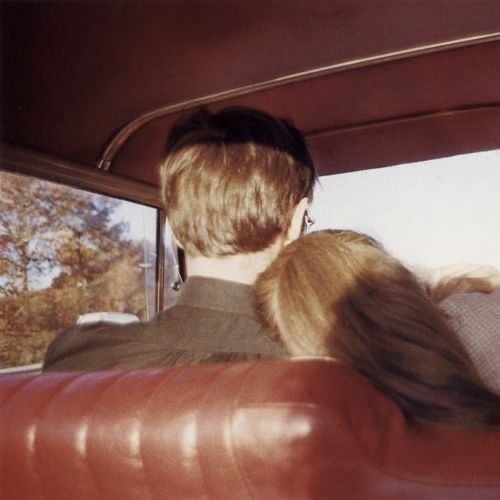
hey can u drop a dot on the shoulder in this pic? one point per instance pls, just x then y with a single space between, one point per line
100 345
482 306
475 318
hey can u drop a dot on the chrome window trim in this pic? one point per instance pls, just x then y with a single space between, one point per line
160 260
34 368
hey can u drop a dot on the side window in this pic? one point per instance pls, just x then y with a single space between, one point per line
429 214
66 252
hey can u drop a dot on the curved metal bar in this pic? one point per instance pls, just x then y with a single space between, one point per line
121 137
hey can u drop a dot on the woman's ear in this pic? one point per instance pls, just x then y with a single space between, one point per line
295 229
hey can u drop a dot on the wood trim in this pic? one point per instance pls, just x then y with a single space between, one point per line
55 169
330 132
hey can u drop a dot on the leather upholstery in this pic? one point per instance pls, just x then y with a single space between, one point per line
294 429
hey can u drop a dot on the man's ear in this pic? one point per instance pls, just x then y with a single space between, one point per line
295 229
168 229
176 241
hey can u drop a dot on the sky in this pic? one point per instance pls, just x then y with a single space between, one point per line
140 218
429 214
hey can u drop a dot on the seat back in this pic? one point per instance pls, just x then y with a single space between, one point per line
272 429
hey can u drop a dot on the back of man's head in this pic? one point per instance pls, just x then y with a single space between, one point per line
232 179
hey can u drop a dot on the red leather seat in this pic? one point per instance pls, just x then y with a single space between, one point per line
294 429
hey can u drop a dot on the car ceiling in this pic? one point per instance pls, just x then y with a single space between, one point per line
370 83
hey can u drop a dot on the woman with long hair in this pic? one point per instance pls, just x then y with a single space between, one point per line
340 294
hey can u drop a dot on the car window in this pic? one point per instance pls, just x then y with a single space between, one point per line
429 214
65 253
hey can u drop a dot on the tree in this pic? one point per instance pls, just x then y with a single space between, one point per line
63 253
47 229
49 232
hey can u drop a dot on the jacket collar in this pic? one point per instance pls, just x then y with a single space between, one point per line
216 294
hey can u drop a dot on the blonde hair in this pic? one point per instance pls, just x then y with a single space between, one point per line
338 293
231 180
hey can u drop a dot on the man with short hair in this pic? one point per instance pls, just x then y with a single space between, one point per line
236 186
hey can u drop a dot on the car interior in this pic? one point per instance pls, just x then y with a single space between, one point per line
90 91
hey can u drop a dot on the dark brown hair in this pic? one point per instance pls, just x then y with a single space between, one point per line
338 293
231 180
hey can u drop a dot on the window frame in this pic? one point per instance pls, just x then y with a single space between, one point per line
50 168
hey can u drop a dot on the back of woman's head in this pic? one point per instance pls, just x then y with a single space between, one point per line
340 294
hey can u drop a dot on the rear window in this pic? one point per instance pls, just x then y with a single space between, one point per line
429 214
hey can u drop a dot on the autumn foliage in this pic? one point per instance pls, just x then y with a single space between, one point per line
63 252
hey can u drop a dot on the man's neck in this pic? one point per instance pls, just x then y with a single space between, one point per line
241 268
